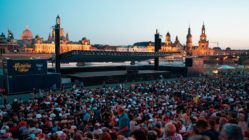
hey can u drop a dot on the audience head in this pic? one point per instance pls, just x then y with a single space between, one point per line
231 132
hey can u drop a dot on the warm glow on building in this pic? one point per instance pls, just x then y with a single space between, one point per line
64 46
167 46
150 47
38 45
203 47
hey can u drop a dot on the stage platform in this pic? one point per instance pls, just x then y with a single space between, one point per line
121 76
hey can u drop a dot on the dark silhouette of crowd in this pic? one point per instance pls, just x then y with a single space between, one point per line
203 108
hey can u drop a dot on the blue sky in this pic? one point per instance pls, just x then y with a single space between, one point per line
123 22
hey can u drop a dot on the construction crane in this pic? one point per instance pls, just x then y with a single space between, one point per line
217 43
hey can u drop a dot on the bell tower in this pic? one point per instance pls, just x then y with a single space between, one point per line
203 29
203 43
189 42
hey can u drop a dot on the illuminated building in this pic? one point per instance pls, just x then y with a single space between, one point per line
27 34
202 49
167 46
150 47
27 41
66 45
39 45
189 42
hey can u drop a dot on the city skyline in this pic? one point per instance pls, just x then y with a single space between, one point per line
127 22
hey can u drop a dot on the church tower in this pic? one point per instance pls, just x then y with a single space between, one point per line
177 40
167 40
203 43
189 42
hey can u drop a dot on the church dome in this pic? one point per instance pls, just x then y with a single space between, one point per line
27 34
217 48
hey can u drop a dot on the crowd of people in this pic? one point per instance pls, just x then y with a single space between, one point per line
204 108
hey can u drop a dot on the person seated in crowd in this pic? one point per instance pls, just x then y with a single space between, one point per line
205 108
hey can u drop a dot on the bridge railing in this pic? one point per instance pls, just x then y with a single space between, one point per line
112 53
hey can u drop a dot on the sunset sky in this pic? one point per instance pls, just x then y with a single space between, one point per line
124 22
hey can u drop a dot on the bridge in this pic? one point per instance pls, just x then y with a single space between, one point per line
110 56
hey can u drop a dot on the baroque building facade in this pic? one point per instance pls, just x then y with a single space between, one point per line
167 46
39 45
189 49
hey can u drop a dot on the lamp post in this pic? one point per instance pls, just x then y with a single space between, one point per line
157 48
57 45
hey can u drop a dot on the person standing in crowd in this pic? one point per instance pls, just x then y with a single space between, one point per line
123 122
86 117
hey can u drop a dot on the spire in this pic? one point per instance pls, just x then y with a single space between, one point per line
189 30
176 39
189 40
168 34
49 37
67 38
53 35
203 28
